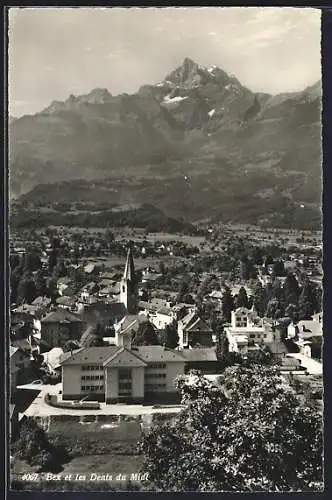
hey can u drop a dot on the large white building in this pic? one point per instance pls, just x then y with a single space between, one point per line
248 332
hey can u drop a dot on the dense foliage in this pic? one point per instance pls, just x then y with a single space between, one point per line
250 434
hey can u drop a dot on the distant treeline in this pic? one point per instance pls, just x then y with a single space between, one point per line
146 217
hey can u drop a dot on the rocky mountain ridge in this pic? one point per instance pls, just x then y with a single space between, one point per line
198 132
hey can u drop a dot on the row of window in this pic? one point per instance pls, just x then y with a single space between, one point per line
93 368
252 335
92 388
157 365
155 375
92 377
124 385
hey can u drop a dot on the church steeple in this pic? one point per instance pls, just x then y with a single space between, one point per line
129 272
128 290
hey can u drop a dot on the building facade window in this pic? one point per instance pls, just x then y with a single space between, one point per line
88 368
157 365
92 388
125 382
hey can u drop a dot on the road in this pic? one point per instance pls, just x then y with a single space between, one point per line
313 367
39 408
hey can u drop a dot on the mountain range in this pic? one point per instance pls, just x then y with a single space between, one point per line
198 145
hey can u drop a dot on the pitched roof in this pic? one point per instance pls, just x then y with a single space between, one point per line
66 301
89 355
41 301
12 350
166 311
132 321
101 312
200 354
310 328
198 324
155 353
53 357
124 357
61 315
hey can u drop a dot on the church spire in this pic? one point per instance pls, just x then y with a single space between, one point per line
129 272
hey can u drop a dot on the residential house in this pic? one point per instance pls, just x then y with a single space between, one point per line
203 359
59 326
106 314
19 360
163 317
127 327
247 332
88 290
68 303
308 336
41 304
192 330
53 359
63 283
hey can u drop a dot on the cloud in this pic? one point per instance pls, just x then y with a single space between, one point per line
212 33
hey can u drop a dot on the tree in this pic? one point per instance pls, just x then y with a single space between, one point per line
258 298
52 289
257 255
71 345
170 335
242 298
92 336
222 345
145 335
262 356
26 290
292 312
307 301
183 290
244 268
278 268
40 284
227 305
32 262
249 434
274 309
291 289
34 446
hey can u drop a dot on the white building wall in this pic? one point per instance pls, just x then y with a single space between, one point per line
71 379
111 383
138 382
173 370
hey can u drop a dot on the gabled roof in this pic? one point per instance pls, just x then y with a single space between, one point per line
131 322
88 356
101 312
124 357
155 353
198 324
12 350
66 301
41 301
200 354
166 311
61 315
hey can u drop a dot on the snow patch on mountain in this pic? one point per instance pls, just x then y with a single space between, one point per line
211 112
171 100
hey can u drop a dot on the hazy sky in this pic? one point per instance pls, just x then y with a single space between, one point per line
54 52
